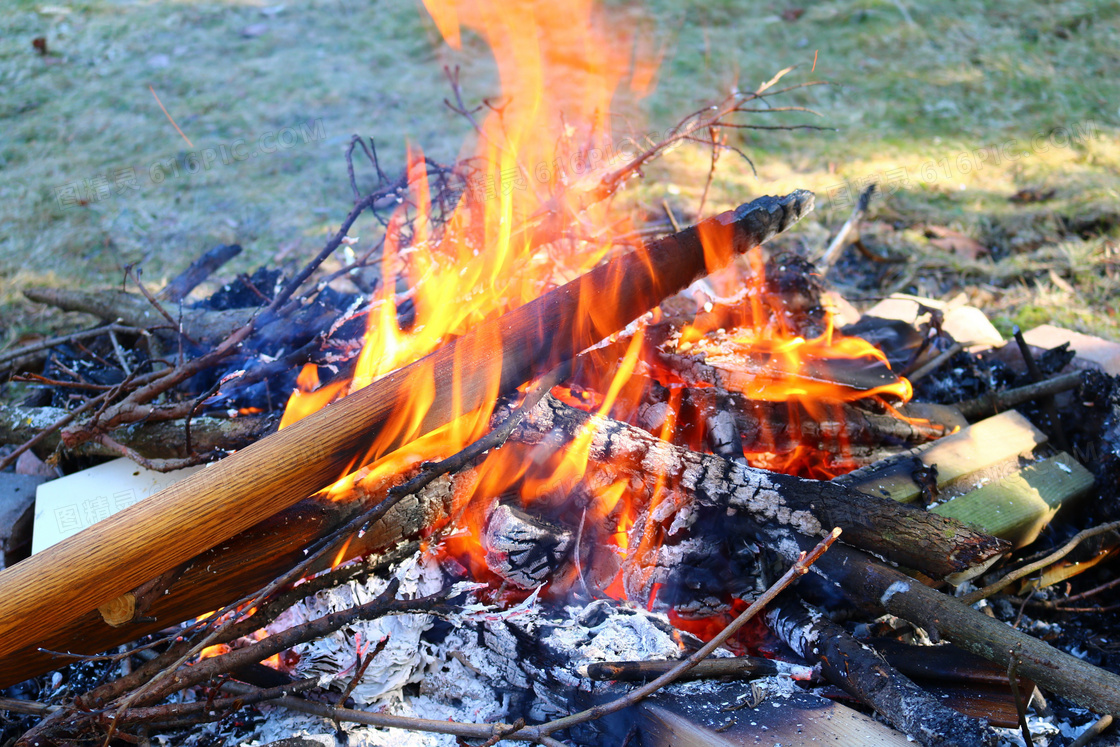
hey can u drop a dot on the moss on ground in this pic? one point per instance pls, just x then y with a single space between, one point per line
931 99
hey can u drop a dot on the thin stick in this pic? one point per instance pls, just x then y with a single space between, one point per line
975 596
835 249
989 404
1049 406
930 366
120 352
1093 731
746 667
16 353
1020 704
387 721
64 420
30 707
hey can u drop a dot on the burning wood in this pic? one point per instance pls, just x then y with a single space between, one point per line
278 471
544 453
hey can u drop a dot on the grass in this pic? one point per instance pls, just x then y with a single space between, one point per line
921 94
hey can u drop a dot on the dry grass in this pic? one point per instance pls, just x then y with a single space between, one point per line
920 90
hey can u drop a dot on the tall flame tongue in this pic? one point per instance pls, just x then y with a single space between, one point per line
537 154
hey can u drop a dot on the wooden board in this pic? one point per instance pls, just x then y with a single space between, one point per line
980 446
800 719
1017 507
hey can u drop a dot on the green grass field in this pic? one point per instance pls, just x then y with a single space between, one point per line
931 100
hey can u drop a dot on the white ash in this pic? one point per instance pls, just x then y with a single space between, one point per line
1044 733
477 673
334 657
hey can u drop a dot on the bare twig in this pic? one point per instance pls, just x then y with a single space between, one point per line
989 404
29 707
360 671
176 325
156 465
36 378
60 423
9 356
121 358
845 235
1049 405
1020 704
1066 549
388 721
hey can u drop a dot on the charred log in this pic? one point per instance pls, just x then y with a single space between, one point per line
878 588
866 675
674 483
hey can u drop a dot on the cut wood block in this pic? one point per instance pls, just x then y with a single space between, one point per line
793 719
1092 352
980 446
947 415
1020 505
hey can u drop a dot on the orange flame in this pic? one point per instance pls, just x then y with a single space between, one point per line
541 152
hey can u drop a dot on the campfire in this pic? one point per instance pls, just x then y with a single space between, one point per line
518 450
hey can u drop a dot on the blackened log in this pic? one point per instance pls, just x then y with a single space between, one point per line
914 538
200 269
862 672
879 588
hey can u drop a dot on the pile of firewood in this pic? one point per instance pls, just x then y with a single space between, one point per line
257 532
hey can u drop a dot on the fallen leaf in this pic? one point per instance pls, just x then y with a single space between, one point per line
1061 282
254 29
792 14
1024 196
956 242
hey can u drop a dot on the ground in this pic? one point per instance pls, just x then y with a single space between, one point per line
952 106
